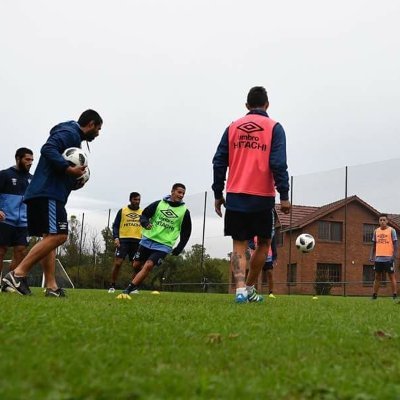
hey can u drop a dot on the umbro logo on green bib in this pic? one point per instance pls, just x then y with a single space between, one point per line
169 213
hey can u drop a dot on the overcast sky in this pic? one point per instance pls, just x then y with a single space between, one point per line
169 76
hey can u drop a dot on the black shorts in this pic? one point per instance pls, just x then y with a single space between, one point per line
13 235
46 216
127 248
143 254
384 266
245 226
268 265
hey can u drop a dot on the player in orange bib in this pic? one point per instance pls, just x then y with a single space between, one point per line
383 253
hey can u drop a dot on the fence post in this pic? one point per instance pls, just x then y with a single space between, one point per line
80 248
289 270
345 234
202 241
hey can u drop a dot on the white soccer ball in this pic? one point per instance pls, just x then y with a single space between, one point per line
76 156
81 181
305 243
85 177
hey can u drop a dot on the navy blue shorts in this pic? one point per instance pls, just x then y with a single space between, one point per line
127 248
244 226
143 254
46 216
11 236
384 266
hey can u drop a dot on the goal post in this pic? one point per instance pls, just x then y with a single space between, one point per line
36 275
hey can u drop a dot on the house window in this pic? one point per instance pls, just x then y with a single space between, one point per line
329 272
331 231
368 275
278 237
292 274
368 232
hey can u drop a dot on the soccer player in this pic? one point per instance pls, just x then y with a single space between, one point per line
127 232
253 148
13 223
270 263
164 221
46 198
383 253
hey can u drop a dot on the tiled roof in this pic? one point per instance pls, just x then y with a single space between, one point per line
298 213
305 215
394 218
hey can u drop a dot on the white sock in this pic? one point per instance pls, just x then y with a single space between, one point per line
250 289
241 290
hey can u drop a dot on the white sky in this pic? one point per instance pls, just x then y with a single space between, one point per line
169 76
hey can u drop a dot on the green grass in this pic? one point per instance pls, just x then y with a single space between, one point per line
197 346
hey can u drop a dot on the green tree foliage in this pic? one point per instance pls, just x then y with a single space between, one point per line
88 260
70 250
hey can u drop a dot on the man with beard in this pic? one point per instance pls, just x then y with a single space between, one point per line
13 221
46 198
127 233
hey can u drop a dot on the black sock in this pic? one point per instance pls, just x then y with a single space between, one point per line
132 286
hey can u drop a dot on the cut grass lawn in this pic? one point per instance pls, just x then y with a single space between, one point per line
197 346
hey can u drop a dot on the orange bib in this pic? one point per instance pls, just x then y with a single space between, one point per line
384 242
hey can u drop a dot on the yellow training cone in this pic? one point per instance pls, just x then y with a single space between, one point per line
124 296
155 292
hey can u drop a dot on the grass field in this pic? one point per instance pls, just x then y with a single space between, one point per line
197 346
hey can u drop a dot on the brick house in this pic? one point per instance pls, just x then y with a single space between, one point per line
341 253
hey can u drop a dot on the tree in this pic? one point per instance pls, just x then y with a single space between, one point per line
70 250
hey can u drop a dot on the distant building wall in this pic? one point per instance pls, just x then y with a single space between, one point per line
352 269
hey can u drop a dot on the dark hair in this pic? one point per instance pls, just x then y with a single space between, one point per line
257 97
22 151
134 194
177 185
383 215
89 116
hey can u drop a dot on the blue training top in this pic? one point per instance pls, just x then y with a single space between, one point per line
50 180
13 184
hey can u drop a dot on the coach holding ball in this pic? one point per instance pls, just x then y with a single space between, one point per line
46 198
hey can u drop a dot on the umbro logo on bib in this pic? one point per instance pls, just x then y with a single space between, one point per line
133 216
169 213
250 127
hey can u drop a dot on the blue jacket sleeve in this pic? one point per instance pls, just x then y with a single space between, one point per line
116 224
220 165
278 162
52 150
